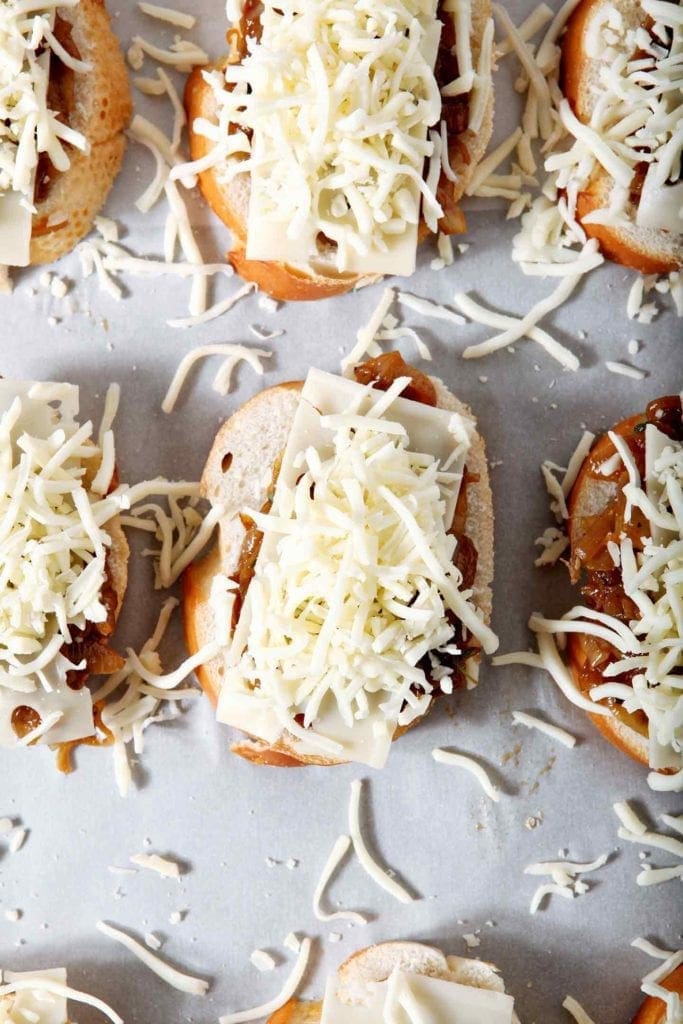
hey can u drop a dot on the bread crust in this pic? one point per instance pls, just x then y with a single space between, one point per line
376 963
101 110
286 282
649 252
248 468
653 1010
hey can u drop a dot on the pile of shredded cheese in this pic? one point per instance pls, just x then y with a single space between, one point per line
650 646
53 530
27 127
332 107
636 118
357 599
54 540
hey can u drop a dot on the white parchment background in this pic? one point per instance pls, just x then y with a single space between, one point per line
223 817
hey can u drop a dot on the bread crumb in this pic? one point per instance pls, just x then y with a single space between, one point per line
13 915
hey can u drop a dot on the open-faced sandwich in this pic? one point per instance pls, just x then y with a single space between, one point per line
41 997
406 981
64 106
621 77
623 651
335 134
63 564
350 583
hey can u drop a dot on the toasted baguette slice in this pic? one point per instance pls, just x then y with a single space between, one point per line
376 963
644 249
653 1010
591 496
99 106
238 474
230 201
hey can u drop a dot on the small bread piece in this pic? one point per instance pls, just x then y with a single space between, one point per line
230 201
653 1010
99 108
646 250
376 964
238 475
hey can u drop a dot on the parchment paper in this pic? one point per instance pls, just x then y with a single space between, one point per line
463 855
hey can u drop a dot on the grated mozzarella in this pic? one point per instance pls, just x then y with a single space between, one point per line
232 356
163 866
337 854
287 992
28 127
378 874
645 946
576 1010
653 579
176 979
469 764
554 731
335 138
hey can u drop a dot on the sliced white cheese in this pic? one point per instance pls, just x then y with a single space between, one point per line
408 998
34 1005
440 437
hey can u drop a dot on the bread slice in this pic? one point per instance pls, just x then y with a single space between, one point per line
99 108
591 497
376 964
653 1010
230 201
644 249
238 474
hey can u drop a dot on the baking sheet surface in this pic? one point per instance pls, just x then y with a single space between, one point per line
226 820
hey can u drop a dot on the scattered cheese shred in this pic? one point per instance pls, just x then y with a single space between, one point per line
232 355
337 854
176 979
470 765
289 990
576 1010
554 731
153 862
378 874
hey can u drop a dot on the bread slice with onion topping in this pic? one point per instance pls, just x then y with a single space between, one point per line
242 473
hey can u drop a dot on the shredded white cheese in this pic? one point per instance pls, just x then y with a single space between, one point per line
370 865
337 854
469 764
163 866
554 731
287 992
335 137
576 1010
649 645
232 356
176 979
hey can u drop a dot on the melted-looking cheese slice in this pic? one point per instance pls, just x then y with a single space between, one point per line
408 998
346 598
